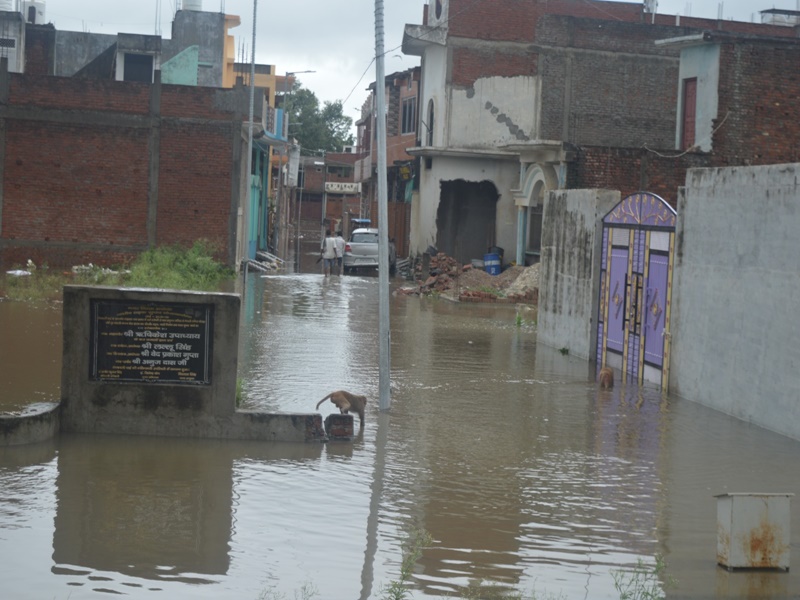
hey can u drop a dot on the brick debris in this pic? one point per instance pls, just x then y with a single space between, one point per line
465 283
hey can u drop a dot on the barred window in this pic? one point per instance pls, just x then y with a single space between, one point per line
409 115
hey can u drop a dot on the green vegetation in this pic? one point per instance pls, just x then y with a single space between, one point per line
307 592
564 350
520 321
479 591
643 582
316 128
169 267
174 267
240 395
412 552
487 289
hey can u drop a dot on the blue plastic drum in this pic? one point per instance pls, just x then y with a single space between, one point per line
491 263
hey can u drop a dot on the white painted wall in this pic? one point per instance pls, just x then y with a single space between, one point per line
569 276
495 111
434 71
736 329
504 175
701 62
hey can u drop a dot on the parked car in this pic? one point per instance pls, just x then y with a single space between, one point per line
361 251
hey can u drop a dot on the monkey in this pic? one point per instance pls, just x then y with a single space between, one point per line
606 378
345 402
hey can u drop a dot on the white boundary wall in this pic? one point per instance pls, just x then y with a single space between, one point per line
736 294
572 235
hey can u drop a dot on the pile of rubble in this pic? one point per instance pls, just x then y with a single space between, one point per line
466 283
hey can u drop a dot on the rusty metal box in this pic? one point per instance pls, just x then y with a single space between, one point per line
753 531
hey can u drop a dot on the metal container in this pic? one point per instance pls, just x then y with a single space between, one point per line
753 531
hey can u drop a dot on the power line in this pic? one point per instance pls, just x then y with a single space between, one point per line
434 28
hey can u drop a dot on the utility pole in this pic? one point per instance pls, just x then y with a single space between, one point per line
302 178
249 177
384 340
324 192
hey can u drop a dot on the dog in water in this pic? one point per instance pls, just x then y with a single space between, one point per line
345 402
606 378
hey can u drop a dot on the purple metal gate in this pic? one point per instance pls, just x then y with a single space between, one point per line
635 288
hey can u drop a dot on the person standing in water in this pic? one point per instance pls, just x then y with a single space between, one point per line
340 244
328 252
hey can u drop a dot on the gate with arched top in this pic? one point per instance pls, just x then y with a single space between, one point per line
636 288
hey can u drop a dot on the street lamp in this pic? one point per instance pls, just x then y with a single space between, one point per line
278 205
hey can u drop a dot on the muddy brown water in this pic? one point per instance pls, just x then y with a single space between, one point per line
523 472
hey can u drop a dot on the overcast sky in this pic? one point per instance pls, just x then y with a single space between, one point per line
335 38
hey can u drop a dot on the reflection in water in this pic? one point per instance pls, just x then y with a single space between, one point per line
30 355
174 515
522 470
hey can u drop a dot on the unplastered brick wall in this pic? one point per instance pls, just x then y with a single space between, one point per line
471 62
607 83
515 20
630 170
93 172
599 34
67 93
68 184
189 102
758 119
39 49
194 184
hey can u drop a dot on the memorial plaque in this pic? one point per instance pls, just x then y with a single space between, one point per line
158 342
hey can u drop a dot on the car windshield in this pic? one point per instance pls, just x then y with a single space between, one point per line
365 238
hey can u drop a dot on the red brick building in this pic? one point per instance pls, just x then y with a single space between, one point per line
525 97
402 123
99 170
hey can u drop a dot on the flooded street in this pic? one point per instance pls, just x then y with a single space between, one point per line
524 472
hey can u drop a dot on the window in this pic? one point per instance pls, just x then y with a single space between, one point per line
364 238
689 113
341 172
139 67
409 115
429 125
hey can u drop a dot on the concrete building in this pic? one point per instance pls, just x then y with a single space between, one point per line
695 299
737 97
522 98
402 123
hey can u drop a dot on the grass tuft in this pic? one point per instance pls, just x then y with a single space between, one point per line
167 267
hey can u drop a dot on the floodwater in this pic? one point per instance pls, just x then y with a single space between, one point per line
524 473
